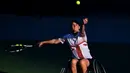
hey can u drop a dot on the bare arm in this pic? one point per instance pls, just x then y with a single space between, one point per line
83 26
53 41
83 30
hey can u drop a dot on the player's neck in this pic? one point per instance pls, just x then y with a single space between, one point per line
75 33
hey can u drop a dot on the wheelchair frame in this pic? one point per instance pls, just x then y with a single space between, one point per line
95 67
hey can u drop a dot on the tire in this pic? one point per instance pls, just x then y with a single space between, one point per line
63 70
98 67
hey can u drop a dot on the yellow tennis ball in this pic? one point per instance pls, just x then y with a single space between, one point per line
78 2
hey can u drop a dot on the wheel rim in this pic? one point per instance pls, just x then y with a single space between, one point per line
98 67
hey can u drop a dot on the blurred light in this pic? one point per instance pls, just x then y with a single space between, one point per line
17 45
20 45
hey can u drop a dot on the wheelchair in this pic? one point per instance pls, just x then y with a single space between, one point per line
95 67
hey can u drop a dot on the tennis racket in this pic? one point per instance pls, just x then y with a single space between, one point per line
17 48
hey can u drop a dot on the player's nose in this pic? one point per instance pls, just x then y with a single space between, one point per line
74 25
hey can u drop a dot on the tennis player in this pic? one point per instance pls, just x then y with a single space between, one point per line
77 41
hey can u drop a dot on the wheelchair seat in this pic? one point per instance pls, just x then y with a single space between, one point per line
94 67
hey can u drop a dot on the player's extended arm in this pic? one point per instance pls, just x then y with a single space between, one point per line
53 41
85 21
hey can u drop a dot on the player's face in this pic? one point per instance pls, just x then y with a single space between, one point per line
75 27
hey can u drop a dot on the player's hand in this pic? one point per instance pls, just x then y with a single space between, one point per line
40 44
85 20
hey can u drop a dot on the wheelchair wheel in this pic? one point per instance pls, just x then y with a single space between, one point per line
66 69
98 67
63 70
95 67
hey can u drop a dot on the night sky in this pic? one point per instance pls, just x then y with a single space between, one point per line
102 27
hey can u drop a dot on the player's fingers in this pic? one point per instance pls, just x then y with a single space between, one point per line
85 20
40 44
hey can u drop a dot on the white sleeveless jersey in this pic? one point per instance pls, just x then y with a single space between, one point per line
78 45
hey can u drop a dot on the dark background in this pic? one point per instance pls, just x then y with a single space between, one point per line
32 21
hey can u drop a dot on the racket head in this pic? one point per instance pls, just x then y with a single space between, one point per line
15 48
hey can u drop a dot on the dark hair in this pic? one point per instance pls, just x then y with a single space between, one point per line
75 22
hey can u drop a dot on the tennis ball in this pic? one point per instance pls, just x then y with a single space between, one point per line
78 2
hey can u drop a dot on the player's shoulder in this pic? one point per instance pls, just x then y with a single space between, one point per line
67 35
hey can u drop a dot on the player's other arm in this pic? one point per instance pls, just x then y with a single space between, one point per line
85 21
53 41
